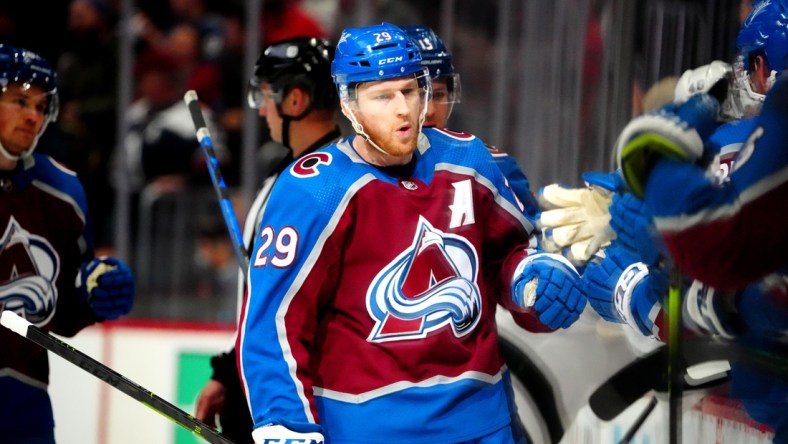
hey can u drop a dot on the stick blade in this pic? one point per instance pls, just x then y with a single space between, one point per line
629 384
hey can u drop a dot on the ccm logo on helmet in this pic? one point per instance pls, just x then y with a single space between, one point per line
307 166
390 60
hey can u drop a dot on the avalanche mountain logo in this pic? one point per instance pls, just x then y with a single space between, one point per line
430 285
29 268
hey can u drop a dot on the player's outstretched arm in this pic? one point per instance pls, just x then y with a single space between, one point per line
623 289
675 131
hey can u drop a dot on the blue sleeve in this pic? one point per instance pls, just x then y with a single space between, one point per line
279 318
729 234
518 182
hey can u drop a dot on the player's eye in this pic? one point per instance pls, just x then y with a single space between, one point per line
439 96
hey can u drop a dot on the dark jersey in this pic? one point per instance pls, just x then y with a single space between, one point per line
45 239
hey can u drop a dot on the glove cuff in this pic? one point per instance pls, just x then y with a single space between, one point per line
630 278
278 433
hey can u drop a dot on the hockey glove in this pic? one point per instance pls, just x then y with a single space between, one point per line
550 285
710 312
107 285
634 228
575 220
675 131
280 434
622 289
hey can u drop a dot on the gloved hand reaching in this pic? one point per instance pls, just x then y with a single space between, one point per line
622 289
575 220
550 285
634 228
675 131
107 285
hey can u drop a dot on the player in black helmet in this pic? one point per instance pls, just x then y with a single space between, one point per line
293 91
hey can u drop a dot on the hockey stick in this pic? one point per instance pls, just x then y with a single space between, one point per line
639 421
675 368
648 372
206 145
21 326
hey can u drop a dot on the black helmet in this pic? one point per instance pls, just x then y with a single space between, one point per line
301 61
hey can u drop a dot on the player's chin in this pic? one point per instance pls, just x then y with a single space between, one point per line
400 148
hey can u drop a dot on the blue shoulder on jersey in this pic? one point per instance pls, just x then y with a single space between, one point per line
517 180
731 135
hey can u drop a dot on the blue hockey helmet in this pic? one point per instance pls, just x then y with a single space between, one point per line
373 53
435 57
25 67
434 54
765 31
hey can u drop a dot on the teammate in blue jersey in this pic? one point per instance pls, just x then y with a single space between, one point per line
380 261
49 273
292 89
446 92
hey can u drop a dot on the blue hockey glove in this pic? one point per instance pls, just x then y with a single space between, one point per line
634 228
710 312
622 289
107 285
763 307
675 131
549 284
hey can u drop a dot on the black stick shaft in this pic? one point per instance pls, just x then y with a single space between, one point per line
639 421
206 145
21 326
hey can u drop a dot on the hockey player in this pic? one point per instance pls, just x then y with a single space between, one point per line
50 274
380 260
292 89
701 223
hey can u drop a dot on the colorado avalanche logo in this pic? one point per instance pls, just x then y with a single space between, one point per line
30 268
307 166
429 286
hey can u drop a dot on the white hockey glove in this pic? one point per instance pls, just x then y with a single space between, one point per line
574 221
717 79
550 285
675 131
276 434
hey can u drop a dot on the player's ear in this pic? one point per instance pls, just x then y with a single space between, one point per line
296 101
345 109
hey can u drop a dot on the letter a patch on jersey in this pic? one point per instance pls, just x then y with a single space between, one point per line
429 286
462 207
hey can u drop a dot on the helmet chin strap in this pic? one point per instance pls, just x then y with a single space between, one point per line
26 153
286 119
359 129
